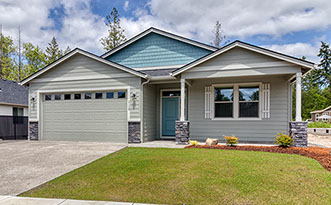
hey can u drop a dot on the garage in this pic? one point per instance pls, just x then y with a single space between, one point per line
85 116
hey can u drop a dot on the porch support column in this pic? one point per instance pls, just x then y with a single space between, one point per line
298 97
182 127
182 99
298 129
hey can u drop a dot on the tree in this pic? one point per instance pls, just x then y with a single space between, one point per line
53 52
67 50
19 52
115 33
35 58
325 64
219 35
7 57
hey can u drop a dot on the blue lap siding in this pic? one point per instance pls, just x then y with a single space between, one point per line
157 50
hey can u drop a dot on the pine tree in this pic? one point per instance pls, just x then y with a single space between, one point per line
219 35
53 52
325 64
115 32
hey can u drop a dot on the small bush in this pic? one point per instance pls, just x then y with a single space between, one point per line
319 125
194 143
284 140
231 140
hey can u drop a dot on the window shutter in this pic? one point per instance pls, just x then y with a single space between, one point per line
265 100
208 102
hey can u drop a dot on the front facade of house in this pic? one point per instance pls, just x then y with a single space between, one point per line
321 115
158 85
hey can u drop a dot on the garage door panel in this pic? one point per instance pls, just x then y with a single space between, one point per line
85 120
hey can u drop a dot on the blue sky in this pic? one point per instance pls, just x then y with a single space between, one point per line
293 27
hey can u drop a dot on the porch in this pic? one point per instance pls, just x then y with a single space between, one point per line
185 101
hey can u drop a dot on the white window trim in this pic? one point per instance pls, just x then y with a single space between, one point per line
235 102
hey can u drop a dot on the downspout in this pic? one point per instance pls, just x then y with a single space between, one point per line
142 107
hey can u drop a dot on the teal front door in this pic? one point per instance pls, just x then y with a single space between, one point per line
170 112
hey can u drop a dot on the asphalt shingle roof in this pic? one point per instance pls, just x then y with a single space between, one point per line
13 93
159 72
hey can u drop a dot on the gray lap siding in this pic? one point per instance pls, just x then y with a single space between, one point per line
247 130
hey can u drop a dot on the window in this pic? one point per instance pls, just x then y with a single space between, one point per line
98 95
88 96
248 101
170 93
48 97
57 96
236 101
77 96
223 102
110 95
121 95
67 96
17 112
18 115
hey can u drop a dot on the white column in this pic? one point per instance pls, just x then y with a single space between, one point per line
298 97
182 99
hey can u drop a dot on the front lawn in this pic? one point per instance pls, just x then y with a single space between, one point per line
194 176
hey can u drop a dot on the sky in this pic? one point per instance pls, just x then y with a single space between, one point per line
293 27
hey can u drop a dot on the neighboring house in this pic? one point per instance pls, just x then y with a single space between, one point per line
321 115
137 91
13 110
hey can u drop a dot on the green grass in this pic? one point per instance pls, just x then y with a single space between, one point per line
194 176
319 125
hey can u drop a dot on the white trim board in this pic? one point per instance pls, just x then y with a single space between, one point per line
87 54
235 102
163 33
161 97
41 92
235 44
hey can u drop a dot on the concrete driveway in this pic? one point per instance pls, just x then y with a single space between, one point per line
27 164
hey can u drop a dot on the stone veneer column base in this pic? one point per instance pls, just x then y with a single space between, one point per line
299 131
33 131
182 132
134 132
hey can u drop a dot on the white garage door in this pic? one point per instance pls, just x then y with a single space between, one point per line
92 116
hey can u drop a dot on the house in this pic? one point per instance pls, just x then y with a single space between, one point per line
158 85
321 115
13 110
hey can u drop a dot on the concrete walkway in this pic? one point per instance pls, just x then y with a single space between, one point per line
13 200
27 164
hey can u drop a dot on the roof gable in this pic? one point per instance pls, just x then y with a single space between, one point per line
238 44
86 54
146 49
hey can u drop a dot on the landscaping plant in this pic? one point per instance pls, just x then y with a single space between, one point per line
231 140
194 143
284 140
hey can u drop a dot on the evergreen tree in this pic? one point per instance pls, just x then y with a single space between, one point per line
325 64
53 52
219 35
115 33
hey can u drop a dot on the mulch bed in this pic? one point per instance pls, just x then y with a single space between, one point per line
322 155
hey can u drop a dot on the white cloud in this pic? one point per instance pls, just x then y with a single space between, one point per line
298 50
126 6
191 18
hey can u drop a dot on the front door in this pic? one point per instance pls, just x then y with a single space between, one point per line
170 111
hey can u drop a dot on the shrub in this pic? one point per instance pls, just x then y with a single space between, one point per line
319 125
231 140
284 140
194 143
